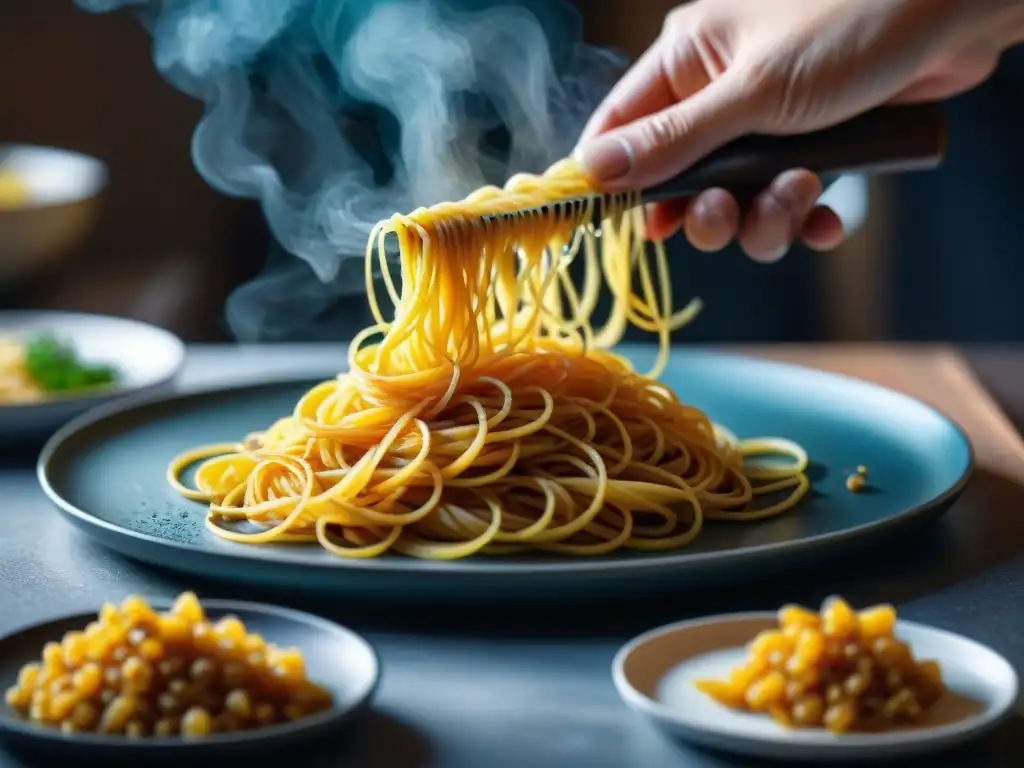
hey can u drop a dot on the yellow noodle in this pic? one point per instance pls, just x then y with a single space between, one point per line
487 415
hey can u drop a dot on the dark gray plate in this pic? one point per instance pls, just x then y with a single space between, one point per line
336 658
106 474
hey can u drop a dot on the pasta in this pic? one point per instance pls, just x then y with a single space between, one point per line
487 415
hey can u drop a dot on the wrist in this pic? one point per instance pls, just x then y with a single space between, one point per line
997 24
1000 21
1014 21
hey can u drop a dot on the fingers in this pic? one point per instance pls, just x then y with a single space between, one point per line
642 90
712 220
666 218
666 74
776 218
823 229
654 148
784 212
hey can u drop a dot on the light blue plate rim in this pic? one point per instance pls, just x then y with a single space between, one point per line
477 567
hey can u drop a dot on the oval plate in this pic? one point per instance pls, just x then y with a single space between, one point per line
336 658
655 675
106 474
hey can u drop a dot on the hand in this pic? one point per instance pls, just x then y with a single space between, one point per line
725 68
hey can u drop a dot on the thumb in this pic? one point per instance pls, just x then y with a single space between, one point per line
655 148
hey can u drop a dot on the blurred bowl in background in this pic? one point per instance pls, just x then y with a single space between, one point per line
48 202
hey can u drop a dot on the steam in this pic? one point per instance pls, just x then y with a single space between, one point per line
335 114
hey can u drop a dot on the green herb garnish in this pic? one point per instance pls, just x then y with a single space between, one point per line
55 367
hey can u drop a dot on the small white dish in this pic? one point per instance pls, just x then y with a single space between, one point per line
146 358
655 674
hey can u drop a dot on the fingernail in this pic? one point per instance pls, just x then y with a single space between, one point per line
606 158
795 191
707 213
776 255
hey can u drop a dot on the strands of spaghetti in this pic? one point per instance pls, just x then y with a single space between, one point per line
487 415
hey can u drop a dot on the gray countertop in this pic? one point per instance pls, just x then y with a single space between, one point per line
531 691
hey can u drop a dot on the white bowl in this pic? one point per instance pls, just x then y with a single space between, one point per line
655 675
63 199
147 358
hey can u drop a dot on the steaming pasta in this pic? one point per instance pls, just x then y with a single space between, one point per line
487 415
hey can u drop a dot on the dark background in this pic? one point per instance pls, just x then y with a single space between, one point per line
941 257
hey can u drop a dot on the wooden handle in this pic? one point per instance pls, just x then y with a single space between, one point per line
886 140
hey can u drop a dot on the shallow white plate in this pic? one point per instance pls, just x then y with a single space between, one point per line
53 176
655 675
146 357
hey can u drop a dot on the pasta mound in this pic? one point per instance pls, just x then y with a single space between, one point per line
487 415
